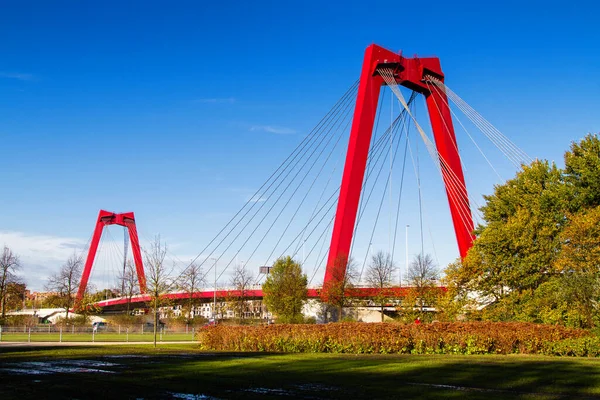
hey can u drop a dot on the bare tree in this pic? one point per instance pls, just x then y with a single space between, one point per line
129 283
379 276
66 282
9 265
422 274
190 281
158 280
242 280
338 292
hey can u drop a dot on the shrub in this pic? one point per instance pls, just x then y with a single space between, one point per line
385 338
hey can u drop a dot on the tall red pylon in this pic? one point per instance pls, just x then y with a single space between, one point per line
411 73
106 218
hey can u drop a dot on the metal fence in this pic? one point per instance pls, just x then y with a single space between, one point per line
106 333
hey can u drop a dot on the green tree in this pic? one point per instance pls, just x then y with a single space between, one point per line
582 172
537 254
516 248
285 290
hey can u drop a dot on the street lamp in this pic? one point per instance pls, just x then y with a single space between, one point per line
407 226
215 291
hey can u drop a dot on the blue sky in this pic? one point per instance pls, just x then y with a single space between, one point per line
178 111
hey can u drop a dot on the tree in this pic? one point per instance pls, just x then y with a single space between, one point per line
516 248
422 274
66 282
582 172
580 243
158 280
285 290
129 283
539 238
241 281
9 265
15 296
338 291
379 276
190 281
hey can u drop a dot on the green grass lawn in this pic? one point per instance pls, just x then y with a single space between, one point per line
140 371
98 337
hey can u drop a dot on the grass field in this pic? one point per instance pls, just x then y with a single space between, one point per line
98 337
182 371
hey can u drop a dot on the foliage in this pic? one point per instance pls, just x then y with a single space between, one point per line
582 172
379 276
537 255
337 293
386 338
285 290
75 320
20 320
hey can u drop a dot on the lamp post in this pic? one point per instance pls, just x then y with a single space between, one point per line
406 255
215 291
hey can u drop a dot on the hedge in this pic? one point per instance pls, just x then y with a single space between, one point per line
392 338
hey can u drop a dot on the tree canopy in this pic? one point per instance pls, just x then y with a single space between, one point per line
540 237
285 290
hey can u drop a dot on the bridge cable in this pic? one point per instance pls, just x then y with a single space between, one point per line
275 174
278 185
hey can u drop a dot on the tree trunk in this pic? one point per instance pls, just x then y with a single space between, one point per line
381 312
155 318
3 305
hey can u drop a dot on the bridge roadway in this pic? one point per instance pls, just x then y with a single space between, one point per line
253 294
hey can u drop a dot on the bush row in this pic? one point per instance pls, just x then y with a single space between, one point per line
389 338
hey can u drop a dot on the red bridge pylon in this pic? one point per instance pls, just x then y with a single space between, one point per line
411 73
106 218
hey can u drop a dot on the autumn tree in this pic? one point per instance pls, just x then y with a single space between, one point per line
158 277
285 290
338 292
379 276
65 283
241 281
9 265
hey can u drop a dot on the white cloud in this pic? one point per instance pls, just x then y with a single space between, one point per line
279 130
41 255
17 75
